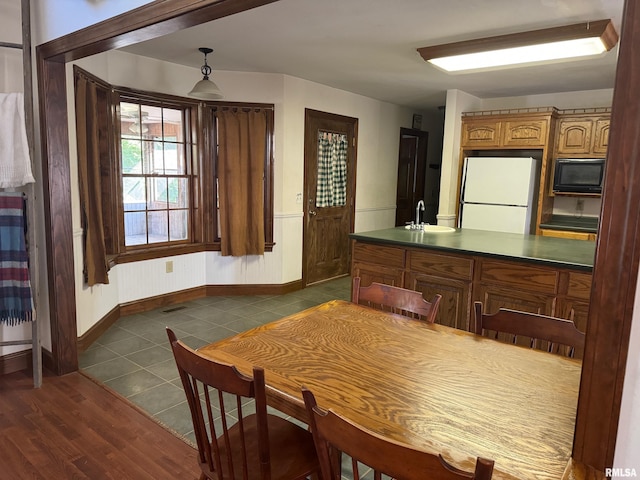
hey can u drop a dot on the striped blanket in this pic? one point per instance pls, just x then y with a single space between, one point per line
16 304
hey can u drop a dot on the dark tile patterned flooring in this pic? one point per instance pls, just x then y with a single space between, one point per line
133 357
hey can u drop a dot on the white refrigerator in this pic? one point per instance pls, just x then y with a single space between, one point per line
498 193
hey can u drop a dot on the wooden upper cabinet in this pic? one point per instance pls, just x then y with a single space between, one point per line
509 130
583 135
481 133
525 133
601 136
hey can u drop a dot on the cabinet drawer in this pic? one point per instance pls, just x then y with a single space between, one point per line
528 277
369 253
441 265
579 285
568 234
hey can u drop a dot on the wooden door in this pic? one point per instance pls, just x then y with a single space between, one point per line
412 162
329 192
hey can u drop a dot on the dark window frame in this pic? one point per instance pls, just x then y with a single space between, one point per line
201 141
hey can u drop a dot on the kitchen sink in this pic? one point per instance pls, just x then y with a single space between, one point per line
431 228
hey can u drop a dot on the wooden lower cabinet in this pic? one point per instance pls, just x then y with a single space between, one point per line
456 297
462 279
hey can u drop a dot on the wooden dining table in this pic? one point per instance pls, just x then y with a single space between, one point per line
433 387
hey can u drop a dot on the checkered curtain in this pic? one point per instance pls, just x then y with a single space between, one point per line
331 189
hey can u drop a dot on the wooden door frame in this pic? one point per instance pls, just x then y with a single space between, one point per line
618 244
351 175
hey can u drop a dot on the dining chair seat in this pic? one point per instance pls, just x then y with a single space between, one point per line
234 443
409 303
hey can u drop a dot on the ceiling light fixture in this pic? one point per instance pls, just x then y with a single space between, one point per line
526 48
205 88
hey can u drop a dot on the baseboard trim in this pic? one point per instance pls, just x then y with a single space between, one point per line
173 298
17 361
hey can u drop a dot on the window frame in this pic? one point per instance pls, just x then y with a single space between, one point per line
186 109
200 144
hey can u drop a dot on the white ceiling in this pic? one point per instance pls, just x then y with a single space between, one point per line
369 46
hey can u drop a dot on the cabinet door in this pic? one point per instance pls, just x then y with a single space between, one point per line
525 133
456 297
575 136
601 136
371 272
485 133
495 297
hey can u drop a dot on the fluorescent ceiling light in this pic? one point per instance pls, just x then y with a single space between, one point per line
538 46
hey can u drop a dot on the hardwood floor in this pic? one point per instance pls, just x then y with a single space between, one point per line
75 428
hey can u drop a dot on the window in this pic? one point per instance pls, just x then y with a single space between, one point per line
150 179
155 171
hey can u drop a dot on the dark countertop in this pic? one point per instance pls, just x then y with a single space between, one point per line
558 252
572 223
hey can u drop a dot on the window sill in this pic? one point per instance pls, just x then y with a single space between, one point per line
161 252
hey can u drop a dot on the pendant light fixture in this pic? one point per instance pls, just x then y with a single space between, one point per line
524 48
205 88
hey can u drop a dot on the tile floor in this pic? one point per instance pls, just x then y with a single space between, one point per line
133 357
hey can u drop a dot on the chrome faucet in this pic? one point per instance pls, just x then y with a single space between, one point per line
419 207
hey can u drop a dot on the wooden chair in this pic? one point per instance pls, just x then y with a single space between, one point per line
556 334
334 434
256 446
395 299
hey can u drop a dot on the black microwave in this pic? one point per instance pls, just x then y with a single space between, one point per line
578 175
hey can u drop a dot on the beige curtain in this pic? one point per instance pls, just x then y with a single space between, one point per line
95 265
241 159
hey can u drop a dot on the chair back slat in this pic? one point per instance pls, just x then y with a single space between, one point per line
334 434
396 300
234 444
553 334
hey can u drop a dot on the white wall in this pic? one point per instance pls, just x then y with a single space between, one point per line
378 137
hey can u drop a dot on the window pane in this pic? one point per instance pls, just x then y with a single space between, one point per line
131 155
135 228
152 157
172 125
174 159
177 192
152 121
157 158
158 226
133 193
157 194
130 120
178 224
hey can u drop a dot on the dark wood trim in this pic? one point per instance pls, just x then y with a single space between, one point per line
174 298
149 21
152 20
18 361
151 303
56 187
616 265
91 335
217 290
